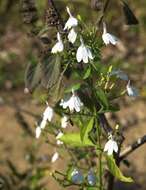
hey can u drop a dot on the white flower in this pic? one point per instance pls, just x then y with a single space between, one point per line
111 146
83 53
43 124
74 103
71 22
48 114
107 37
133 92
72 35
55 157
119 74
77 176
64 121
58 47
60 134
38 132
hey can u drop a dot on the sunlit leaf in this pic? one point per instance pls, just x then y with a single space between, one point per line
86 129
87 73
73 87
74 139
114 169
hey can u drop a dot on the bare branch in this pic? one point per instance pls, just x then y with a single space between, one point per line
133 147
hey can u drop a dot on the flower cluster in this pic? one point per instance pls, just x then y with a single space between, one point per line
47 117
83 52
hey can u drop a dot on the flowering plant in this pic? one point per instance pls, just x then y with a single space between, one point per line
80 90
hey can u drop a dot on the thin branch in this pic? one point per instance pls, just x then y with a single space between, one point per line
138 143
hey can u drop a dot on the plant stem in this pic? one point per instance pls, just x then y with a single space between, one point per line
99 157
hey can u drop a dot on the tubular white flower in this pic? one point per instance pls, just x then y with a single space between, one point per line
71 22
107 37
77 176
133 92
55 157
48 114
83 53
72 35
60 134
111 146
74 103
58 47
64 121
38 132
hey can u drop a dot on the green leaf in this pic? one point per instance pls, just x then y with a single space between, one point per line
116 171
69 172
74 139
102 97
110 109
86 129
87 73
91 188
74 87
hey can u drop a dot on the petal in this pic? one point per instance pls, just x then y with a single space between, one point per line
55 157
72 36
60 134
115 146
107 145
58 37
71 104
43 124
109 38
55 48
64 122
133 92
71 22
89 53
110 151
78 104
105 39
58 142
112 39
60 47
68 11
85 55
48 114
79 54
38 132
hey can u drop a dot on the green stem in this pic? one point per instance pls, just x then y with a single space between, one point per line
99 158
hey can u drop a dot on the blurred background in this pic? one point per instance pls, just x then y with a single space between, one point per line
21 155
